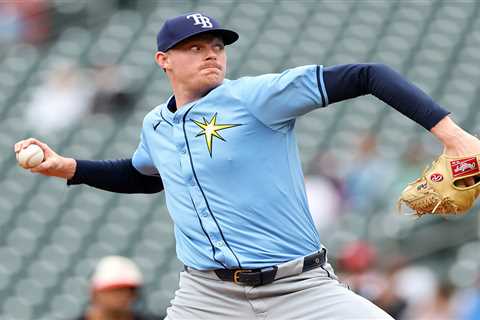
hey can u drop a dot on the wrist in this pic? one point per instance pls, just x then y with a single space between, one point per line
70 167
448 132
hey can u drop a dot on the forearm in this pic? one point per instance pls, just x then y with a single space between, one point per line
114 175
348 81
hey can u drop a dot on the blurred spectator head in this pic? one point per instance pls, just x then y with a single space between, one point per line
24 21
367 145
113 92
357 257
425 280
115 285
61 100
445 291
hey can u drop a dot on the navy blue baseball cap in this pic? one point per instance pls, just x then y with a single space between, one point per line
177 29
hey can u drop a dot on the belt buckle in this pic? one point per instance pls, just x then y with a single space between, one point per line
236 275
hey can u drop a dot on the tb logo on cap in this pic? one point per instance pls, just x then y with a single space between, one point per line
199 19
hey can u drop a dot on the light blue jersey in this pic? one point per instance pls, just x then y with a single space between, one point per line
231 170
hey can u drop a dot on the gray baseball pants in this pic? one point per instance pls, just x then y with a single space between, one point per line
315 294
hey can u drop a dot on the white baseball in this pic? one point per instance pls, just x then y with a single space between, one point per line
30 157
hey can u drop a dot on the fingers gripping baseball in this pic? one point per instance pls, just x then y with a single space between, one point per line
23 144
53 164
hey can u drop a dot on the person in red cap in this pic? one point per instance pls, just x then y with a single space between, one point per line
114 290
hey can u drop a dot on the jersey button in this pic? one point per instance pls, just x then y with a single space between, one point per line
204 213
183 151
219 244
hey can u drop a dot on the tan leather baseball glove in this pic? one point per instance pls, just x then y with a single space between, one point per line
449 186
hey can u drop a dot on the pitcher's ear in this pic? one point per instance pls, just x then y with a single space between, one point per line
161 58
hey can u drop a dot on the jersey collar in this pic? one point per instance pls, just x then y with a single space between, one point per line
170 111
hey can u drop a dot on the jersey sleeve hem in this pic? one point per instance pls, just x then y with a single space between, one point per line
321 86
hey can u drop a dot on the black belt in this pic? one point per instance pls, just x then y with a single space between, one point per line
255 277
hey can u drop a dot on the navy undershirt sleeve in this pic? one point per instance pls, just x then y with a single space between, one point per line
114 175
348 81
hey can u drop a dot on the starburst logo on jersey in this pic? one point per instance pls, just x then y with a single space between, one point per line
210 130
